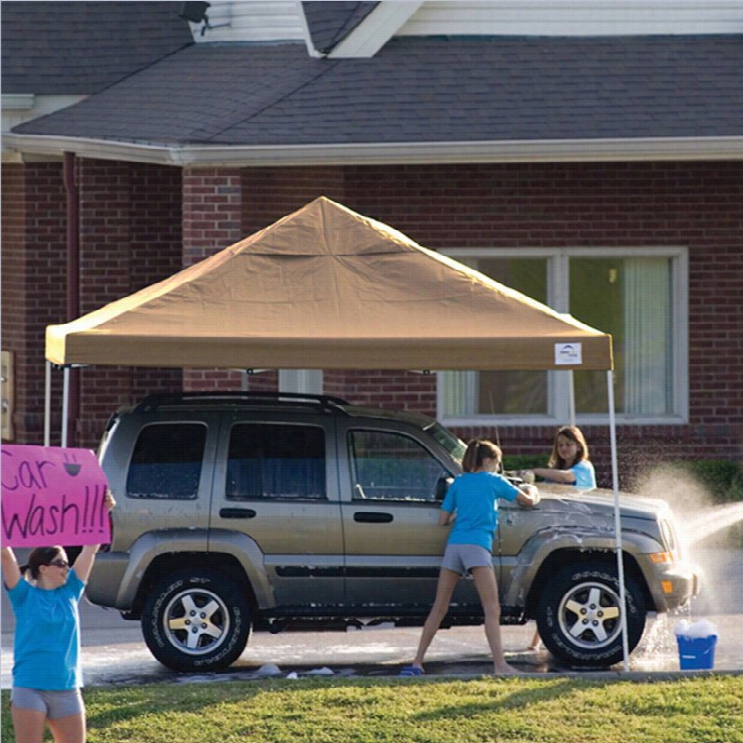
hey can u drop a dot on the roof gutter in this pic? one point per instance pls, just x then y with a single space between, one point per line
393 153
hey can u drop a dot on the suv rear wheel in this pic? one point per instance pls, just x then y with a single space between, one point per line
196 620
579 616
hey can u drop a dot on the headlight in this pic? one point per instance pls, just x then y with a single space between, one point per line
669 538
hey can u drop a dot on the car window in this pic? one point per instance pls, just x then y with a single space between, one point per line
267 460
166 462
391 466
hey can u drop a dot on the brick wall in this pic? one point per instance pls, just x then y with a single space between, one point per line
130 235
130 223
212 220
33 282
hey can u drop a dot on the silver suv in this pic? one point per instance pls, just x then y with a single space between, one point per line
245 511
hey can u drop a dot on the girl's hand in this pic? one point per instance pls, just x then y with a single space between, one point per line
11 571
529 496
527 476
109 500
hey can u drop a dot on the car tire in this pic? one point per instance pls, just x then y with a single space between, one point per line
196 620
579 615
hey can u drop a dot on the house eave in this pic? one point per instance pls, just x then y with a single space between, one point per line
395 153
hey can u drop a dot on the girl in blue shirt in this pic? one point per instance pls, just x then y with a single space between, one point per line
569 464
47 671
471 504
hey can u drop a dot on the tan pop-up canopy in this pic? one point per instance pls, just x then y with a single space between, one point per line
328 288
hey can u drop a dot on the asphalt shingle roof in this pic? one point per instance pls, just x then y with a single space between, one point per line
330 22
80 48
423 90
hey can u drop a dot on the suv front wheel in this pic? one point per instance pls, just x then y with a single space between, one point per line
196 620
579 616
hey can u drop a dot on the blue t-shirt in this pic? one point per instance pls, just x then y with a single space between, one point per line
474 496
46 649
585 476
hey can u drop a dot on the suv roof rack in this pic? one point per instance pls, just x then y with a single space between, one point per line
164 399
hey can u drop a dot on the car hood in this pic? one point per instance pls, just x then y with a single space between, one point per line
559 499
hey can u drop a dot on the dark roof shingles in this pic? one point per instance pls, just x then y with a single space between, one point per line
80 48
330 22
423 90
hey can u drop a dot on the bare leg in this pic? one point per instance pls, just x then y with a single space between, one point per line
28 724
536 641
444 589
69 729
487 588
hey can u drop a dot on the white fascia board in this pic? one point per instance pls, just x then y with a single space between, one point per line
375 30
18 101
594 150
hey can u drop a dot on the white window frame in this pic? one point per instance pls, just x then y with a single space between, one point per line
558 382
301 381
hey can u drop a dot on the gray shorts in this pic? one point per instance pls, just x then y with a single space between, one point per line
53 703
461 558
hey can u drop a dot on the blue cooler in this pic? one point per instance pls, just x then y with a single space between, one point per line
697 653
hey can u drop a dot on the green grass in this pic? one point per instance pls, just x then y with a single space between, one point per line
701 709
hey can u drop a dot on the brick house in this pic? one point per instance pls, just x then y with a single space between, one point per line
589 157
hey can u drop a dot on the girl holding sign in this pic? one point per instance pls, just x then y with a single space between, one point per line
47 670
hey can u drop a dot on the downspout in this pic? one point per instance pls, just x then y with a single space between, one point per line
73 283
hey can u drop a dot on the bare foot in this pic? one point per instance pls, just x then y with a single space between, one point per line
503 669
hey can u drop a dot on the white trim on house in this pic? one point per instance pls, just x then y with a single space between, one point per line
376 29
584 18
306 35
252 21
682 149
558 299
258 21
18 108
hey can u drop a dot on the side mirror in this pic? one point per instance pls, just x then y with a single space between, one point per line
442 486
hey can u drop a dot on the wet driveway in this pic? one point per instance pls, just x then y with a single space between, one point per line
114 652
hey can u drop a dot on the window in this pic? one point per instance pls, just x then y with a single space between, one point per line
391 466
269 460
166 462
639 298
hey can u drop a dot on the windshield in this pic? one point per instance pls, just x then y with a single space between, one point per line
453 444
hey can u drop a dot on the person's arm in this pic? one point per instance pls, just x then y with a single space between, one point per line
563 477
528 495
84 563
446 518
11 571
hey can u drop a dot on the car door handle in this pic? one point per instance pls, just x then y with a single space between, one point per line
237 513
372 517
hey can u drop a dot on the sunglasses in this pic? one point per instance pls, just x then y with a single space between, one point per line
60 563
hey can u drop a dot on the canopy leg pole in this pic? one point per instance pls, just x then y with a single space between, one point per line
617 518
48 405
571 396
65 403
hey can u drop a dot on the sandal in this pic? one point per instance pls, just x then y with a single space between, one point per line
411 671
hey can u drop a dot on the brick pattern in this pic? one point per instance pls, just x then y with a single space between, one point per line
212 220
388 389
33 281
271 193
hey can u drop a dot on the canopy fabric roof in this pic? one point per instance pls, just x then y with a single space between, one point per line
327 288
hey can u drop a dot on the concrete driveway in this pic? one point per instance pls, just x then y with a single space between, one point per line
114 651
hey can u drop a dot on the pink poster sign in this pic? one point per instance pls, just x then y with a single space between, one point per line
52 495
